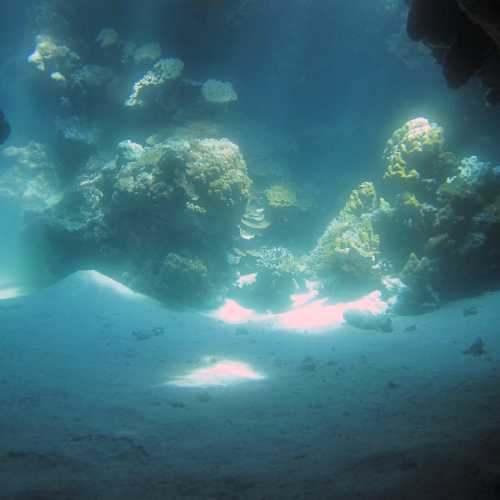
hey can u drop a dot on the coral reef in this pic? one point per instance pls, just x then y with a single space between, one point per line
147 53
91 75
166 204
31 176
163 72
419 296
204 181
279 196
440 208
107 37
361 200
217 170
51 55
215 91
176 197
347 252
290 207
412 154
72 129
138 180
129 151
180 278
276 278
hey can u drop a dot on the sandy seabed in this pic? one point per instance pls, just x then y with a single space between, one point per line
105 394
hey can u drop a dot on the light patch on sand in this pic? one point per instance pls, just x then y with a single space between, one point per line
299 299
371 303
246 279
12 292
222 372
311 317
304 316
319 315
116 286
231 312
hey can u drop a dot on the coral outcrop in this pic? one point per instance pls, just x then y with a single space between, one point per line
163 72
433 236
347 253
147 53
51 55
218 92
182 278
162 210
436 226
167 205
412 154
275 278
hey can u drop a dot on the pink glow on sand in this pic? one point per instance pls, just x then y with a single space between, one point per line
222 372
246 279
303 298
318 316
309 317
314 316
231 312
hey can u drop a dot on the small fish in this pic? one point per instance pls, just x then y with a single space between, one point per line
4 128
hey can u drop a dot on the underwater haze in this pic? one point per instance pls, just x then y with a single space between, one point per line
250 249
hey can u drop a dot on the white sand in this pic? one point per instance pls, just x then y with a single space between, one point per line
105 394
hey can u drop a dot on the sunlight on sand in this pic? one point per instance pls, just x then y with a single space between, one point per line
318 316
303 298
12 292
231 312
305 316
116 286
222 372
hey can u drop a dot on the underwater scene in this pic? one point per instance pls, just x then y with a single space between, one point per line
250 249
